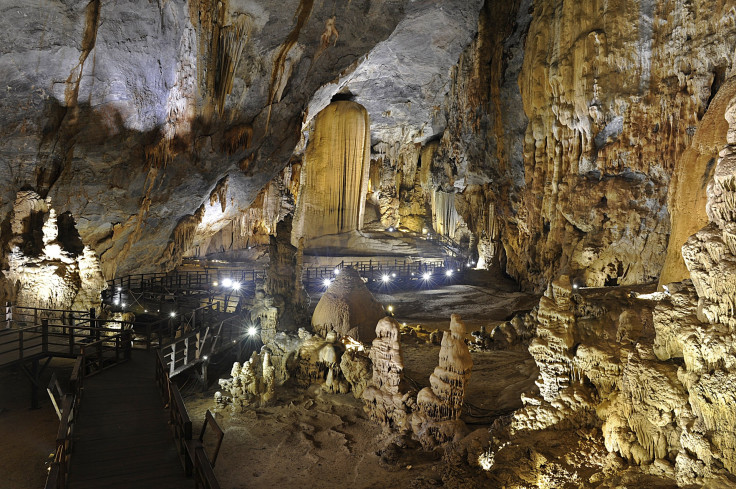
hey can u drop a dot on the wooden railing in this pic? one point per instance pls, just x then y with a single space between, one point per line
216 282
61 340
68 414
201 344
191 451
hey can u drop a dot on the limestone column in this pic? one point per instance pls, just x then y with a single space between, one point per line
335 173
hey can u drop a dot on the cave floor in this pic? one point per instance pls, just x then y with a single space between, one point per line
312 439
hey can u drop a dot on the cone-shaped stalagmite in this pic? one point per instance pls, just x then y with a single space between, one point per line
335 178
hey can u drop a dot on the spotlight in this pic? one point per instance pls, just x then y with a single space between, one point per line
327 282
120 289
205 357
214 284
252 331
145 310
116 302
235 286
385 278
337 271
227 282
425 230
426 276
390 308
391 229
172 314
393 275
575 286
448 273
123 304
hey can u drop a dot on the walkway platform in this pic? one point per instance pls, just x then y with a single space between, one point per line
122 437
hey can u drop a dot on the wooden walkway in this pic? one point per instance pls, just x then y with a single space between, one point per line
122 439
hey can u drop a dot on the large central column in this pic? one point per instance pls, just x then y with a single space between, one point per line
335 173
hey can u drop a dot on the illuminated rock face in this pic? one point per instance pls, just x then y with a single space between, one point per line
334 184
48 265
577 127
348 308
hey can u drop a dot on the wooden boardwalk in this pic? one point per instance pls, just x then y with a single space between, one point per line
122 437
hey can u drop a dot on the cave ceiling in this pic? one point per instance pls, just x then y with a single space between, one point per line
126 114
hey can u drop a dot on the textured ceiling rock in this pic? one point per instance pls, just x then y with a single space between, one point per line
128 113
403 80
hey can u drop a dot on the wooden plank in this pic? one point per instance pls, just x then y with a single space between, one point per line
122 436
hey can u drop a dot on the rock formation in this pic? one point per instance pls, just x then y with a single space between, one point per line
334 183
48 265
347 308
437 419
388 399
253 382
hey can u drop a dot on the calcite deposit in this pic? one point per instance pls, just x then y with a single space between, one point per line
253 382
48 265
348 308
437 418
335 174
388 398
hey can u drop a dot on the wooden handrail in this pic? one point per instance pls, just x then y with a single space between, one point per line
191 452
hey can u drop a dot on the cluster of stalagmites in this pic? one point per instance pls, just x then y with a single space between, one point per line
340 365
651 377
49 267
515 333
252 383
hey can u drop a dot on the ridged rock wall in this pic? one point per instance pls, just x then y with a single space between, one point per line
575 130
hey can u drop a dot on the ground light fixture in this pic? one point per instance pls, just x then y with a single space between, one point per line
235 286
426 276
227 282
385 278
252 331
327 282
448 273
172 314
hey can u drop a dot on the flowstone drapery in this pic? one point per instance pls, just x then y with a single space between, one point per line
335 173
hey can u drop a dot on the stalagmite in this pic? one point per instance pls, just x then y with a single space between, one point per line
347 308
335 173
439 406
48 265
388 399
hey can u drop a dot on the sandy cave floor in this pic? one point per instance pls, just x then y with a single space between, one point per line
312 439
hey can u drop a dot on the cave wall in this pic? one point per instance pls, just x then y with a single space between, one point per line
571 118
128 114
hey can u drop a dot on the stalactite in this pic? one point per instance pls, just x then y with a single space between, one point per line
444 214
279 65
237 138
231 43
219 193
335 173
